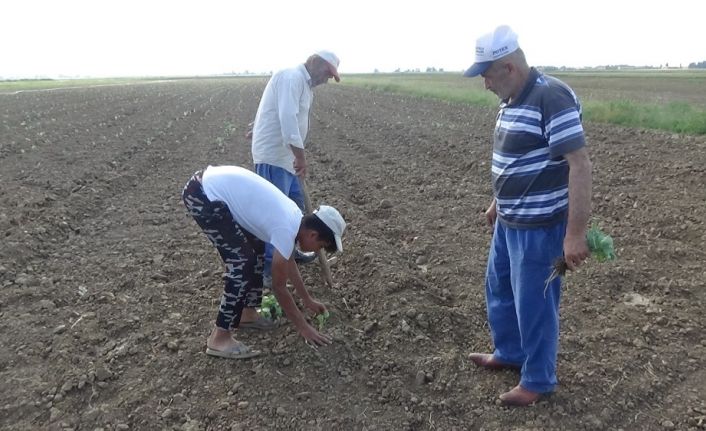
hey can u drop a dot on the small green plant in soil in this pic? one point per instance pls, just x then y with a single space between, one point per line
599 244
270 308
321 319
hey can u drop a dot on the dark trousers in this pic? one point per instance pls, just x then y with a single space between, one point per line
241 252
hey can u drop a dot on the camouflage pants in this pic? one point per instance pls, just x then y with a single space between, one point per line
241 251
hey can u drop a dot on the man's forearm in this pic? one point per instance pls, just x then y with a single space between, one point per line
580 183
298 152
296 278
280 273
288 305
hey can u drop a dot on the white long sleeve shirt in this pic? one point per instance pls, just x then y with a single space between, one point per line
282 118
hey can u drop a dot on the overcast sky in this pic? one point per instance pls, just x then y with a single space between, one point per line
101 38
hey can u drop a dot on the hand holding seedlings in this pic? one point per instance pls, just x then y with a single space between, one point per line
599 244
575 251
271 310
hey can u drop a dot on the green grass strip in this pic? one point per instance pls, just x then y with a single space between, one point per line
43 84
678 117
441 87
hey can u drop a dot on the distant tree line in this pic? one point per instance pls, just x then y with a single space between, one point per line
417 70
701 65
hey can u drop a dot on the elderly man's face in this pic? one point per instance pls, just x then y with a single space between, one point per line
498 79
320 72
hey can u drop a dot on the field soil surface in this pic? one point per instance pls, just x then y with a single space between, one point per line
108 290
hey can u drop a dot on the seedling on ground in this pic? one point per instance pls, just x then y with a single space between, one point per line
321 319
270 308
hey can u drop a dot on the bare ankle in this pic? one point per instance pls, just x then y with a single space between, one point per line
219 335
249 314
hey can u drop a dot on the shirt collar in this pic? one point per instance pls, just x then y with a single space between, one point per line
305 72
529 85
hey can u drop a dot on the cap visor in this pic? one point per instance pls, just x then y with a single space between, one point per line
334 72
339 244
477 69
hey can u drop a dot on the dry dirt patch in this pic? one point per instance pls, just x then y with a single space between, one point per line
108 289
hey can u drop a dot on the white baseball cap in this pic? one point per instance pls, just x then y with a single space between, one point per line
492 46
333 62
333 219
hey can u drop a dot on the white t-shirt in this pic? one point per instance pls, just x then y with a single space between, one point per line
282 118
256 204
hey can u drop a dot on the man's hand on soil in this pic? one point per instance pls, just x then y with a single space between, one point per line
315 306
314 337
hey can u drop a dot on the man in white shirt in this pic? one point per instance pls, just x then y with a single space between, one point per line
240 211
281 126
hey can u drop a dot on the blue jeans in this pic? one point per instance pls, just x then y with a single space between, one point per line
288 184
524 320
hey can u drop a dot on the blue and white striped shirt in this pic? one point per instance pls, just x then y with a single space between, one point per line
530 174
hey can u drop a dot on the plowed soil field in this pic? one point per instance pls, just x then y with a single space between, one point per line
108 289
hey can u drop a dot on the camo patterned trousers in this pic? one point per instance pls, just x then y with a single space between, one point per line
241 251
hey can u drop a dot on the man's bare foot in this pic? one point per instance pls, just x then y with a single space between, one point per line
221 339
249 315
520 397
251 319
488 361
222 344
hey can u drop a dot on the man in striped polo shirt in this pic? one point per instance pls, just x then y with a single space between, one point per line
542 201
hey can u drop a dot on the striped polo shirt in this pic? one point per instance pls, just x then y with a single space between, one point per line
532 134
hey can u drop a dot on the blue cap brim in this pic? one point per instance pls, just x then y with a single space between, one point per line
477 69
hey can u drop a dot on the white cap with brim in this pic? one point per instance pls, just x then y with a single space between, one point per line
333 219
491 47
333 62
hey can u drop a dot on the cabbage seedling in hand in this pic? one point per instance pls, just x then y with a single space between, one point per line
271 309
599 244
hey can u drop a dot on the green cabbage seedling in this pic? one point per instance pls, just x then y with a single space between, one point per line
321 319
270 308
599 244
